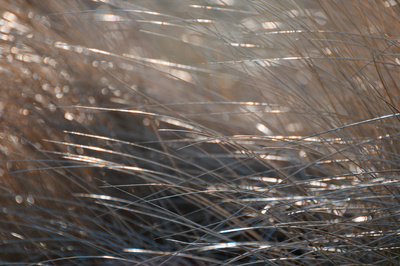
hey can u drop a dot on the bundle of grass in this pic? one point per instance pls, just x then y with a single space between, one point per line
206 132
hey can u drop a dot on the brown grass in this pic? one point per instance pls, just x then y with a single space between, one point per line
199 132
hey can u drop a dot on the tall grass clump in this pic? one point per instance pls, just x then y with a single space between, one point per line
202 132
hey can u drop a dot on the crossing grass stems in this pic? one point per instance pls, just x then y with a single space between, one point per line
214 132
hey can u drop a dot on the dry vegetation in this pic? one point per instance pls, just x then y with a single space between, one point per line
205 132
